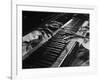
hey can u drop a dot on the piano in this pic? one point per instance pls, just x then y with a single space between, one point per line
55 50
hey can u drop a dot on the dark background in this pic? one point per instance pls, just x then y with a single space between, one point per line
32 20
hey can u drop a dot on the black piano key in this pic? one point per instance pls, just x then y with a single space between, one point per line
53 49
56 43
59 40
52 54
56 46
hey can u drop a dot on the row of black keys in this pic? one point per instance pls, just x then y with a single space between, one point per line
47 54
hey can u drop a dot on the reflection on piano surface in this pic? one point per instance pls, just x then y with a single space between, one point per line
62 41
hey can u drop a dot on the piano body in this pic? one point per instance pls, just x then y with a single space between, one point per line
60 43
